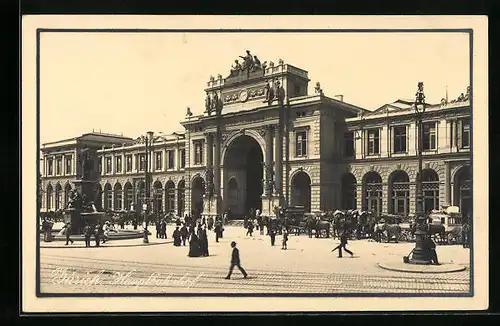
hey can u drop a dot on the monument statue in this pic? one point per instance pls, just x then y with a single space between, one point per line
235 69
467 94
256 63
208 104
269 93
216 104
247 61
188 112
87 164
317 89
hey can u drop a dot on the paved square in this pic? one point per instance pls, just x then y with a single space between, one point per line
308 266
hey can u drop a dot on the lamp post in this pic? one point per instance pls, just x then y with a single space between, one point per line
189 114
421 252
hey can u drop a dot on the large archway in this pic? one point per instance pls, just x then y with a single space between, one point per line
399 193
372 192
348 193
197 192
169 196
157 198
301 190
243 176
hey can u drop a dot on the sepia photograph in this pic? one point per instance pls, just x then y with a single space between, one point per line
246 163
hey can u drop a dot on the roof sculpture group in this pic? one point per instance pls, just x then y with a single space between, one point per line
250 64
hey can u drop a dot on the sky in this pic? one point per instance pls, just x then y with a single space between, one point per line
129 83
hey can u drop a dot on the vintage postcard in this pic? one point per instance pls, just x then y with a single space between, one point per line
241 163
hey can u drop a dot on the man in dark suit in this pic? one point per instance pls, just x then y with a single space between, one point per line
87 232
235 261
343 243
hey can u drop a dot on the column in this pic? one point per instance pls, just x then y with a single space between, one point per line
209 163
447 186
278 161
217 176
269 161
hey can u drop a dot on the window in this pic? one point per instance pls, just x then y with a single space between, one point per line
349 144
373 142
158 161
301 143
58 166
399 139
465 133
108 165
128 163
68 164
118 164
118 198
429 136
170 158
50 167
198 152
142 162
183 158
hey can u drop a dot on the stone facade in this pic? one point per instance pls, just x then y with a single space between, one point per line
304 146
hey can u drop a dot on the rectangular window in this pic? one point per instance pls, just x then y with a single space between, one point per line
301 143
373 142
128 163
170 159
118 164
349 144
183 158
399 137
429 136
108 165
158 161
58 166
50 167
466 133
69 164
198 152
142 162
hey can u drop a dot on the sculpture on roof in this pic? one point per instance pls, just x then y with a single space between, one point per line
317 89
269 92
208 104
189 114
256 64
247 61
235 69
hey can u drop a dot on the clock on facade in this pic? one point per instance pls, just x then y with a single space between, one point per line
243 95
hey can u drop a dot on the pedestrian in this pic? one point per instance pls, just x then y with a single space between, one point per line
465 234
285 239
184 234
105 231
431 246
235 261
250 227
272 234
158 229
218 228
204 242
97 234
163 227
343 243
87 232
194 246
67 232
134 223
177 237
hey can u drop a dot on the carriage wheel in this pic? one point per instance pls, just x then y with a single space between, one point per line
451 239
403 237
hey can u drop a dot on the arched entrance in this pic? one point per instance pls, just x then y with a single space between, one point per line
67 190
243 176
301 190
128 196
181 198
157 198
118 197
348 191
197 192
170 196
108 197
462 191
430 190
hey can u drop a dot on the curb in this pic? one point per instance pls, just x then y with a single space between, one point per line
105 245
422 269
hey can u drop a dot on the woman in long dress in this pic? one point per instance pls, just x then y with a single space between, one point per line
194 246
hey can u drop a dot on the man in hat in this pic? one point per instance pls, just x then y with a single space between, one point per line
177 237
67 232
235 261
87 233
184 233
163 226
343 243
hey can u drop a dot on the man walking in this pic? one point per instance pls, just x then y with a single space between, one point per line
184 234
343 243
163 227
87 232
272 234
285 239
235 261
67 232
218 228
158 229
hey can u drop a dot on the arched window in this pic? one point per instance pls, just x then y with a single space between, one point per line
399 192
348 191
67 190
372 192
58 197
141 196
463 191
157 198
118 197
197 192
128 196
170 196
108 197
181 198
50 194
430 190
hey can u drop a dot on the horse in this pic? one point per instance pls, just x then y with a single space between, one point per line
320 225
392 231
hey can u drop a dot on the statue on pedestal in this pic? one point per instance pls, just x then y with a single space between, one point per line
247 61
235 69
269 93
87 164
208 104
317 89
256 64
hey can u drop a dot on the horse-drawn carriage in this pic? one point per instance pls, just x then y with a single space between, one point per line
446 225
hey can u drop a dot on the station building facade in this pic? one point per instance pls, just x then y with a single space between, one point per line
263 141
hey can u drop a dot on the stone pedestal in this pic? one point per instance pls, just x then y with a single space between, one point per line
269 202
211 206
74 217
87 188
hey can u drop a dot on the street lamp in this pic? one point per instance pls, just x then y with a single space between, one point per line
421 252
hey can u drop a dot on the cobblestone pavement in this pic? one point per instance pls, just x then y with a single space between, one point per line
308 266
